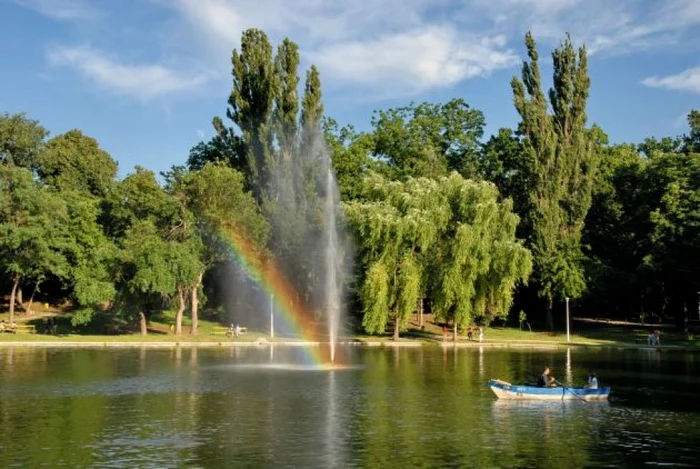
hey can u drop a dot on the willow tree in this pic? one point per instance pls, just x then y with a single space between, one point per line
561 150
397 224
448 236
478 260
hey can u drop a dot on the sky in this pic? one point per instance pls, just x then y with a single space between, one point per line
145 77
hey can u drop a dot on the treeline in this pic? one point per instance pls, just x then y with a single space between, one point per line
442 220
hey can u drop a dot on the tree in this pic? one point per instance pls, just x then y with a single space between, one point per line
674 254
561 149
140 216
448 236
287 99
221 207
691 143
255 86
505 162
30 234
311 110
225 146
478 260
429 140
74 161
21 140
351 155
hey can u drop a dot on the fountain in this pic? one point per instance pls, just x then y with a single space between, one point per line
301 201
332 263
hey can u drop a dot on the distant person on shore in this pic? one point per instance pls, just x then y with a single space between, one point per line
237 330
481 334
2 326
470 333
653 337
592 381
545 380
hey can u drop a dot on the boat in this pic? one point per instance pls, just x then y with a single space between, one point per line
506 390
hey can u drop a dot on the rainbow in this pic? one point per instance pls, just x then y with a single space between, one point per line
265 273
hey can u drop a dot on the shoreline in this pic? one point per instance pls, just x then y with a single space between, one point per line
345 343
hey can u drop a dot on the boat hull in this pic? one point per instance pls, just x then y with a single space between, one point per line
505 390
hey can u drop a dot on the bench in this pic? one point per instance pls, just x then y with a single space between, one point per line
21 329
226 331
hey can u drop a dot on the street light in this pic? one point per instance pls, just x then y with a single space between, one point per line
568 338
272 316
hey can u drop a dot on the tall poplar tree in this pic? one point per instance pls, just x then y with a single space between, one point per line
287 99
311 108
561 150
255 86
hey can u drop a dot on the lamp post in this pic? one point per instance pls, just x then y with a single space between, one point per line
568 338
272 316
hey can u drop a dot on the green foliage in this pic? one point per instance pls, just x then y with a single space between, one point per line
286 100
73 161
351 155
30 227
21 140
561 151
225 147
429 140
450 237
255 85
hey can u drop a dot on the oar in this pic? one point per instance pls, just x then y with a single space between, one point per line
572 392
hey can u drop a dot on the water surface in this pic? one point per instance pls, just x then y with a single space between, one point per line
403 407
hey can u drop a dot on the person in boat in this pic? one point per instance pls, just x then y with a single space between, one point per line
592 381
545 380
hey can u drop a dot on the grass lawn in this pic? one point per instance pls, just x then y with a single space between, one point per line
583 332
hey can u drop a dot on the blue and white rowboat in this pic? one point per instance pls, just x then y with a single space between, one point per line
505 390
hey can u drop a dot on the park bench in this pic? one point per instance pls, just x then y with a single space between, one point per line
21 329
226 331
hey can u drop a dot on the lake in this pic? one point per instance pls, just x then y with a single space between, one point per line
392 407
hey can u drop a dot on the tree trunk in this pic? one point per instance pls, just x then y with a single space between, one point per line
420 313
31 298
13 293
550 314
180 310
454 332
20 300
396 327
142 323
195 305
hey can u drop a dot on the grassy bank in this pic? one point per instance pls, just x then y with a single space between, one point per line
583 332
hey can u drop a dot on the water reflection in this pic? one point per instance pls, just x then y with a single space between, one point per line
392 407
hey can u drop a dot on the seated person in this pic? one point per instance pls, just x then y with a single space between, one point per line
545 380
237 330
592 381
651 338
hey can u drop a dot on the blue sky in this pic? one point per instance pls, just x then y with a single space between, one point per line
145 77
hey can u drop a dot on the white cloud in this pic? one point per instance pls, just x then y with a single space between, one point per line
413 61
144 82
687 80
63 10
622 26
217 18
